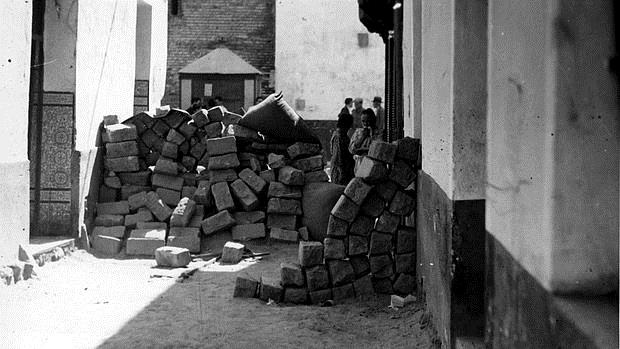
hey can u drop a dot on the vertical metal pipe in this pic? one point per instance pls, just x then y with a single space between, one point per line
389 83
398 119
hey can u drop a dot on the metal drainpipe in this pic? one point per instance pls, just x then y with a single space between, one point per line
397 83
389 111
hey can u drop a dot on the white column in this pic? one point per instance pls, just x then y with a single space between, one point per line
16 29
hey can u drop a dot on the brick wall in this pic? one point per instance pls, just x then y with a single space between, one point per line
246 27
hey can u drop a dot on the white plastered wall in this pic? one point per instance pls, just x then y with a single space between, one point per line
16 28
318 58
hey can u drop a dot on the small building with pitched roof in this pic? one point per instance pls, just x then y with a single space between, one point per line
220 73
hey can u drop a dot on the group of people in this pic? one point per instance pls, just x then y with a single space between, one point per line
355 130
212 102
197 104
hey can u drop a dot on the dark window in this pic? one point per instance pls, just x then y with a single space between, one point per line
175 7
362 39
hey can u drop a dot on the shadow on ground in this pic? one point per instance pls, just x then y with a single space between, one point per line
201 313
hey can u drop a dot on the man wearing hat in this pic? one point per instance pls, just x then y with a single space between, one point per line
379 113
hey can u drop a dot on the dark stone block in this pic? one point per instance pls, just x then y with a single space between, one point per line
310 253
291 274
270 288
295 295
360 265
317 277
343 292
341 272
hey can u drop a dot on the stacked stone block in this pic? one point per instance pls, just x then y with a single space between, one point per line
370 245
198 175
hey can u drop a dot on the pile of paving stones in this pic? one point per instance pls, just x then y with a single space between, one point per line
172 179
368 247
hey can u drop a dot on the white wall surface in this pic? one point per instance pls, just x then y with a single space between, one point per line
105 65
412 112
159 51
60 33
16 28
552 192
143 40
437 98
318 58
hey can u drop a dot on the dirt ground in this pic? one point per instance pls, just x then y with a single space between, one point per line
87 301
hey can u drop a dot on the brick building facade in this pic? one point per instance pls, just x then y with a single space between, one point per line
195 27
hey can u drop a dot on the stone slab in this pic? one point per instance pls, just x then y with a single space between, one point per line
301 149
382 151
295 295
168 196
172 257
290 176
316 176
222 162
244 232
320 296
373 205
121 149
371 171
313 163
143 215
142 178
317 277
284 235
343 292
246 287
284 206
357 190
310 253
362 225
232 253
183 213
169 182
108 245
255 182
157 206
387 222
281 190
337 227
226 175
334 249
221 146
244 195
341 272
186 237
345 209
119 132
283 221
109 220
380 243
218 222
270 288
358 245
118 207
222 196
292 274
249 217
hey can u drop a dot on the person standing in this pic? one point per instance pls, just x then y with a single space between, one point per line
196 105
363 136
342 163
380 114
348 106
358 108
219 102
